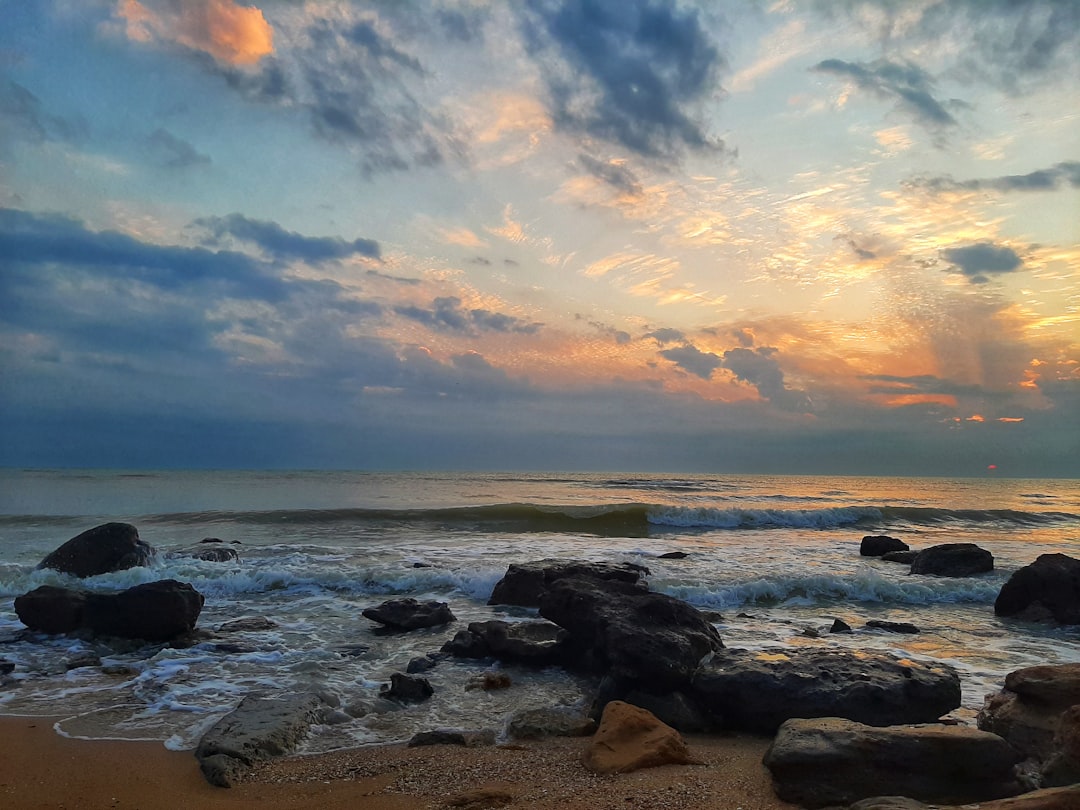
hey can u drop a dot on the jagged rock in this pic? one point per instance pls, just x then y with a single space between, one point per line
258 729
840 626
534 643
758 690
892 627
1048 589
453 736
409 614
630 738
153 611
1027 712
407 689
632 633
876 545
535 724
905 557
830 761
524 583
248 624
101 550
953 560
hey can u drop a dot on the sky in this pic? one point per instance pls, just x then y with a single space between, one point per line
802 236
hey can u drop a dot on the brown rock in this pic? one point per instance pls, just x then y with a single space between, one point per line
482 798
630 738
1063 767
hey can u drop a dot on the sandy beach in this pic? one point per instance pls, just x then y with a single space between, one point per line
41 769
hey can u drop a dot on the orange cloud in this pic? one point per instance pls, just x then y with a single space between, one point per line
231 33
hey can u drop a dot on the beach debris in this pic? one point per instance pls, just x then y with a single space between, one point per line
550 721
248 624
953 560
757 690
524 583
832 761
1046 590
875 545
100 550
536 643
153 611
892 627
407 688
258 729
409 614
630 738
489 681
474 738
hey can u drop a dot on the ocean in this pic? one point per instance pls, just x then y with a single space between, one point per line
776 557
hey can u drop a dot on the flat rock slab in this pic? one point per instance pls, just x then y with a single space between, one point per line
832 761
524 583
258 729
758 690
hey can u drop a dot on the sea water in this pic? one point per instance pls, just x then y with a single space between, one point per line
775 557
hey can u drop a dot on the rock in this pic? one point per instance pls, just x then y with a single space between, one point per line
829 761
888 803
83 659
674 708
535 643
153 611
1062 767
1048 589
423 663
535 724
1027 712
51 609
631 633
524 583
630 738
953 560
212 553
6 667
758 690
1048 799
409 614
875 545
489 681
101 550
892 627
258 729
673 555
840 626
482 798
407 689
905 557
248 624
453 736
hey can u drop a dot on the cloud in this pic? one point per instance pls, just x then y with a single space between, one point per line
666 335
175 153
23 118
614 173
448 315
1058 175
232 34
978 260
692 359
632 72
284 245
905 83
760 368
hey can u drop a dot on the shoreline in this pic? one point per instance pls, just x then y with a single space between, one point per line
42 769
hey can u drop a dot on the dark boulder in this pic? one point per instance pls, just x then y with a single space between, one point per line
953 560
409 614
1048 589
758 690
101 550
524 583
840 626
248 624
423 663
892 627
211 553
673 555
903 557
535 643
154 611
832 761
631 633
466 738
51 609
875 545
407 688
554 721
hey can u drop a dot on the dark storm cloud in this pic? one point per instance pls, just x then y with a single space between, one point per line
175 153
692 359
983 258
1057 176
760 368
905 83
36 240
447 315
744 336
666 335
632 72
615 175
284 245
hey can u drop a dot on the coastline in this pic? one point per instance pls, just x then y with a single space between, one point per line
41 769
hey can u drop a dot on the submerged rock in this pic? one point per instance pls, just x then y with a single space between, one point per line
1046 590
953 560
407 688
409 614
892 627
101 550
533 643
524 583
876 545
